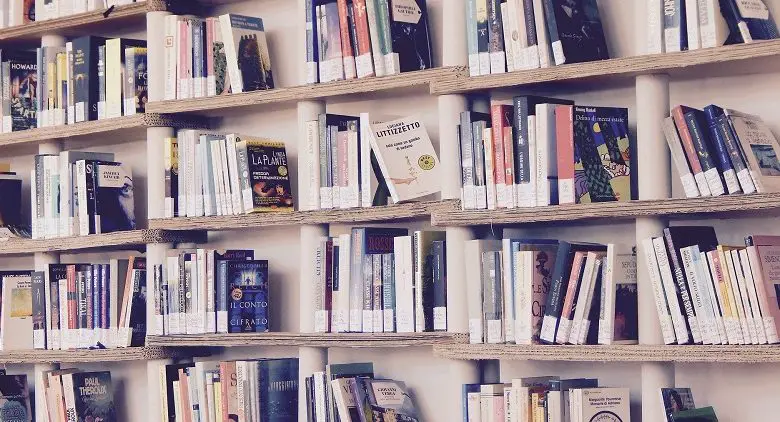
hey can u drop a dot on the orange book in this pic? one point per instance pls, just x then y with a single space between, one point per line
564 325
564 136
365 64
500 115
228 380
184 395
509 167
347 52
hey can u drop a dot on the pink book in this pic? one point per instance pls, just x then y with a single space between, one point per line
509 166
498 123
183 70
564 134
765 253
544 262
564 325
498 408
343 140
210 82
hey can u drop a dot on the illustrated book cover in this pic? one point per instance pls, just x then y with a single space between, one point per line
246 51
14 399
248 301
93 395
410 38
114 198
676 400
269 177
576 32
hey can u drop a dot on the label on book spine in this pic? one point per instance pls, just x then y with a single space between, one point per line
689 186
405 321
368 321
526 194
557 49
770 329
349 67
746 181
474 65
389 317
494 331
321 321
365 65
732 183
713 181
549 324
222 322
484 63
475 331
701 183
497 62
440 318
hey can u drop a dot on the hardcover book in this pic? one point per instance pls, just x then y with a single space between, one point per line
14 399
269 177
389 400
598 404
114 199
93 395
602 154
22 80
576 33
246 51
676 400
410 38
407 158
248 301
11 207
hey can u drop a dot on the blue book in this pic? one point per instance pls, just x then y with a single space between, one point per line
248 302
470 388
221 282
718 141
278 390
748 25
312 43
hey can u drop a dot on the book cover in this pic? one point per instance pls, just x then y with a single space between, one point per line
278 390
531 294
116 65
114 198
576 33
495 37
38 282
410 38
11 208
760 149
221 258
602 154
407 158
246 48
23 80
16 324
390 400
268 175
136 89
704 414
15 399
94 396
351 371
749 21
604 404
676 400
248 301
697 130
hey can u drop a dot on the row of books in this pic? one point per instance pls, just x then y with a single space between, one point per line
90 78
210 174
11 221
242 390
21 12
531 291
214 56
350 393
375 280
80 193
542 151
73 394
71 306
210 291
348 39
545 399
710 293
514 35
364 161
719 151
689 25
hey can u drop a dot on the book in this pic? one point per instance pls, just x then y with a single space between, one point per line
136 89
592 402
16 324
704 414
90 395
21 80
248 302
277 389
246 52
575 29
675 400
268 175
389 399
116 65
114 198
532 265
407 158
410 39
618 314
15 398
749 23
760 149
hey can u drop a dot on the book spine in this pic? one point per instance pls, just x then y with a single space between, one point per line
388 293
701 144
236 81
494 332
386 37
732 148
341 277
376 300
403 285
674 39
235 178
171 38
356 281
39 307
507 22
680 327
690 151
654 11
722 154
768 320
70 83
335 165
312 43
508 278
368 294
128 88
471 37
554 305
490 175
678 156
692 24
70 398
531 53
439 264
363 58
102 93
552 29
499 163
743 303
720 312
682 288
687 256
67 314
564 133
372 10
483 36
664 315
182 180
496 37
525 189
348 55
544 49
509 165
467 162
478 147
755 304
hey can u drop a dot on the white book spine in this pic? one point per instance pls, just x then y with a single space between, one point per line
755 305
236 81
490 179
545 141
606 331
714 299
66 191
404 298
749 320
743 336
312 165
70 397
523 297
345 314
65 332
366 189
227 199
373 28
526 192
667 327
203 292
509 44
350 195
235 183
508 280
575 323
35 223
171 41
713 27
692 21
768 320
726 308
198 181
654 13
217 175
471 22
689 264
81 174
680 161
173 286
667 278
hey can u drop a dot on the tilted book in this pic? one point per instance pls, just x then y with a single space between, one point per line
760 148
576 33
411 41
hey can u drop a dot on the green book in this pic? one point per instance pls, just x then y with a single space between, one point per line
703 414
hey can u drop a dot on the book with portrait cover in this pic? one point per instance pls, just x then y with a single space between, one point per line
89 396
22 80
407 158
410 37
602 155
269 177
14 399
676 400
246 51
248 301
114 200
575 29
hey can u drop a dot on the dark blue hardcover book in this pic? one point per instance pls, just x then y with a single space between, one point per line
749 24
94 396
719 148
695 119
735 153
278 390
248 301
411 41
675 24
575 29
530 22
221 282
469 388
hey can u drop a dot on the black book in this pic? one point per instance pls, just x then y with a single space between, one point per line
11 224
221 259
15 398
56 273
93 395
575 29
171 374
676 238
85 77
278 390
269 176
410 35
23 77
114 198
38 290
138 303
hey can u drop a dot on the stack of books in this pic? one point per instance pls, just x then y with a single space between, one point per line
381 280
72 394
11 223
512 35
210 291
209 174
80 193
215 56
541 151
545 399
362 38
244 390
91 78
364 161
20 12
71 306
719 151
531 291
350 393
690 25
709 293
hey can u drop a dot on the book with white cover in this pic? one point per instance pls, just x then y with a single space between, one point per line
755 304
368 178
546 164
746 306
343 318
594 404
16 325
715 298
690 257
619 273
713 29
580 324
662 308
404 276
743 335
692 21
407 158
310 173
667 280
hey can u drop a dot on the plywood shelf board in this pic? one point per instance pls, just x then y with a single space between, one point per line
97 355
609 210
421 78
349 340
618 68
615 353
398 212
116 240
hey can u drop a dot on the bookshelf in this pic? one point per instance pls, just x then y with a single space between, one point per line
124 240
341 340
128 354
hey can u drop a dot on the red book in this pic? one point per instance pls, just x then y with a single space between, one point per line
184 396
564 135
346 44
687 142
72 305
499 119
365 64
509 166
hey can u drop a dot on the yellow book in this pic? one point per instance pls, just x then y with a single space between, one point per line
115 70
62 79
217 401
51 84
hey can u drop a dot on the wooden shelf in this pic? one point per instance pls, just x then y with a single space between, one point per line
611 69
98 355
114 241
391 213
608 210
120 128
408 80
615 353
81 24
309 339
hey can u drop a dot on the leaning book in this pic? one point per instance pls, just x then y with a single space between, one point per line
268 176
246 51
407 158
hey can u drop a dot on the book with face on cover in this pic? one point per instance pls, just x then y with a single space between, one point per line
114 198
407 158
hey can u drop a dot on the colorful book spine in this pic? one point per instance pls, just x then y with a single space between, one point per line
496 37
564 134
